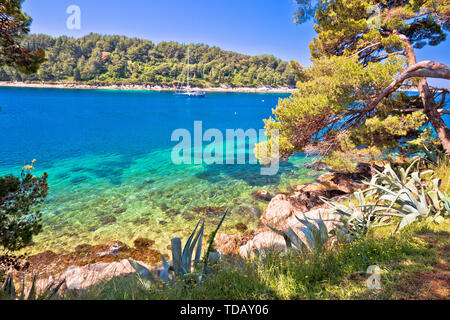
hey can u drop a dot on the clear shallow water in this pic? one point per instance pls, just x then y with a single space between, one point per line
111 177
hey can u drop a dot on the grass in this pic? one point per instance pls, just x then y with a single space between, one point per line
443 172
404 259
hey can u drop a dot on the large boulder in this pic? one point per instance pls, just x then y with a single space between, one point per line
266 239
80 278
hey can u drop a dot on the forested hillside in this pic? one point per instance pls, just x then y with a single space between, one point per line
104 60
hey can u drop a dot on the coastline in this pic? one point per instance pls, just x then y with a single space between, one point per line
140 87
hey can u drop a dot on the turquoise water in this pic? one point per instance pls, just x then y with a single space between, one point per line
108 156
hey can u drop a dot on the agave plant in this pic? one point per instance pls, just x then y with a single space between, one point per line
9 291
359 219
406 196
184 260
394 194
316 235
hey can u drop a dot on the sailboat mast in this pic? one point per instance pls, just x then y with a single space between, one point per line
188 66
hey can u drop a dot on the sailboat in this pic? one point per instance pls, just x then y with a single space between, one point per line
189 92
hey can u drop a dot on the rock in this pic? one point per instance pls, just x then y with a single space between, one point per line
262 195
110 248
141 221
52 263
241 227
268 239
278 210
83 248
344 182
108 220
210 211
230 244
143 243
318 166
80 278
227 244
364 169
246 210
402 159
265 240
119 210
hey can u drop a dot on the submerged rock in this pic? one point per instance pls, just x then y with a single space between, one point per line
119 210
108 220
143 243
209 211
262 195
318 166
241 227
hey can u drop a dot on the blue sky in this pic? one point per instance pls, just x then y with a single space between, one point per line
246 26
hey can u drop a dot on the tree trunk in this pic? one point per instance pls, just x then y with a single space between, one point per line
429 105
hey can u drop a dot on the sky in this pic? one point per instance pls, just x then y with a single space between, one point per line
250 27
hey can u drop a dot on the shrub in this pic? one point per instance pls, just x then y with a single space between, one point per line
19 218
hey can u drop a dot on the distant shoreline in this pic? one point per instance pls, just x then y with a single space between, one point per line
139 87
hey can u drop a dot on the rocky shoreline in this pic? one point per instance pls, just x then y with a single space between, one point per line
141 87
283 209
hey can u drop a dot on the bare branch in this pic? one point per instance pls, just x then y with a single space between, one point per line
424 69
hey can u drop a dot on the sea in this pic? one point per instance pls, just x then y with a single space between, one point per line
109 157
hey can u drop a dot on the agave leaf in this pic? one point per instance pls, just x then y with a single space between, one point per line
296 241
187 263
436 184
360 198
305 222
198 253
323 229
411 166
22 291
142 271
309 237
279 232
433 195
177 257
187 251
439 219
340 208
408 219
51 292
283 234
377 186
445 199
164 274
32 293
8 287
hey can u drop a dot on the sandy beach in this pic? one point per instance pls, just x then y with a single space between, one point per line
140 87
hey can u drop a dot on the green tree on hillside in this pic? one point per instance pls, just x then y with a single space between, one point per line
363 53
105 60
